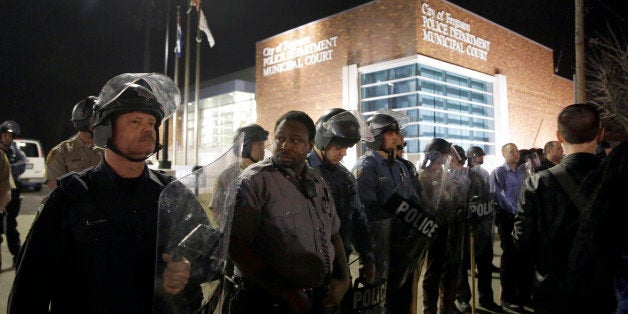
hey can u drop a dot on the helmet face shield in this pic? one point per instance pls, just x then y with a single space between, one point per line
153 93
164 90
395 121
347 125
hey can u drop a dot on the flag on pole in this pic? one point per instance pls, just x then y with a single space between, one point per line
202 25
179 47
196 4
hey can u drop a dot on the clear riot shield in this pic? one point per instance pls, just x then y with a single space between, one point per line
370 298
194 223
434 181
480 207
532 163
458 187
444 185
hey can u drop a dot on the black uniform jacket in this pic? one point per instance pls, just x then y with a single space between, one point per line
92 247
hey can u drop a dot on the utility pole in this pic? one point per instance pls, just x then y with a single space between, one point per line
580 81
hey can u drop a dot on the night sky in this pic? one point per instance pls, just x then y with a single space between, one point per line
54 53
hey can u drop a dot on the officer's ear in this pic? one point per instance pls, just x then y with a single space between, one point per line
559 137
600 135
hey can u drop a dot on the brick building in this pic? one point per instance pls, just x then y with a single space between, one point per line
459 76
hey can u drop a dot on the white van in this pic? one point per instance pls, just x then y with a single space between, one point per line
34 175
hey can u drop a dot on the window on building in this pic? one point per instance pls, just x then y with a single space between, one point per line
218 118
445 103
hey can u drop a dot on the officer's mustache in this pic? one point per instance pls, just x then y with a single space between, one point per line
148 138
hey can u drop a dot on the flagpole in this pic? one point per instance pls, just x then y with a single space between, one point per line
197 82
176 81
164 163
196 96
186 85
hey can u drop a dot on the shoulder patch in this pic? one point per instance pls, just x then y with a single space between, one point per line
40 208
41 205
357 172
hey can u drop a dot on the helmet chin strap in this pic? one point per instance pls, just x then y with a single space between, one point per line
116 150
328 165
390 153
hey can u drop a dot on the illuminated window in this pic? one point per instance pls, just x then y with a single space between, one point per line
218 118
441 102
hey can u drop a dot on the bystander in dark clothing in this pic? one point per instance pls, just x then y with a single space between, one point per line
552 154
601 251
548 213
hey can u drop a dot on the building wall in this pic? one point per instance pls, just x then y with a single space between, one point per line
391 29
535 94
374 32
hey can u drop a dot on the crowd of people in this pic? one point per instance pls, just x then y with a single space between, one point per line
299 214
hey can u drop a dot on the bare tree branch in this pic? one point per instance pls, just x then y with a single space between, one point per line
607 79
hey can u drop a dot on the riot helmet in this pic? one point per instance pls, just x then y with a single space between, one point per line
252 133
338 126
473 152
462 157
153 93
438 145
436 148
382 121
10 126
81 113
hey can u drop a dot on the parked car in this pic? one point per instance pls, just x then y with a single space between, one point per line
35 175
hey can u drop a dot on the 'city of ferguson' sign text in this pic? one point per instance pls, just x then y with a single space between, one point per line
443 29
295 54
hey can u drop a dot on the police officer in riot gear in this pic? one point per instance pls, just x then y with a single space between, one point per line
8 131
380 175
92 247
480 211
78 152
254 138
253 146
82 112
337 130
444 186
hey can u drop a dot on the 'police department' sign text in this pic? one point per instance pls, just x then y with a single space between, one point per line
443 29
295 54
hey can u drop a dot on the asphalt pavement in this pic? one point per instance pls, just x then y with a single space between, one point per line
32 199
